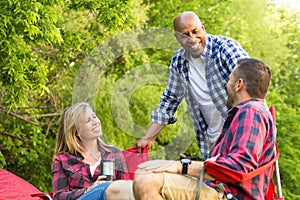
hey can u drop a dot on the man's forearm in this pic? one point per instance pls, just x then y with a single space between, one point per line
153 131
195 168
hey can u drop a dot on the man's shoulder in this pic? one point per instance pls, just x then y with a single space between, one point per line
179 52
219 38
222 42
219 43
254 105
179 55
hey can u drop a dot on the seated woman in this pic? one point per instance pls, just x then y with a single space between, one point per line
78 154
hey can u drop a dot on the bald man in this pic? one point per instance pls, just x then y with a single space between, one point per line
199 72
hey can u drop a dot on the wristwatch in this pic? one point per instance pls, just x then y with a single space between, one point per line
185 164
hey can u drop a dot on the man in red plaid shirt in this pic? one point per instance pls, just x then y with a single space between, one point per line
246 142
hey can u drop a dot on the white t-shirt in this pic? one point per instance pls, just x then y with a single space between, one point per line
93 167
200 91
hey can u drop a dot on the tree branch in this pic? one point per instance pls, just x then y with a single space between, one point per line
43 115
28 119
14 136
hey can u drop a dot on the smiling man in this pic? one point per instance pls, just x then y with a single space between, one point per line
199 72
246 143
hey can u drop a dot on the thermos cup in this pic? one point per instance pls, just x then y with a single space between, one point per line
108 169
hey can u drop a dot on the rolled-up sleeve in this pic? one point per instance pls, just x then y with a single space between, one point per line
170 99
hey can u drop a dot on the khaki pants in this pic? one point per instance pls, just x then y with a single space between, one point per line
179 187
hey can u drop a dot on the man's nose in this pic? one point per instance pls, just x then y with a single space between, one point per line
191 37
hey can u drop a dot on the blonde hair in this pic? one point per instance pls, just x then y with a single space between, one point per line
72 121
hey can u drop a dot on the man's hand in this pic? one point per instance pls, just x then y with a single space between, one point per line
169 166
142 143
150 136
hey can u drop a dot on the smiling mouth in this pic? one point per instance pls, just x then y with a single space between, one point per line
96 128
195 46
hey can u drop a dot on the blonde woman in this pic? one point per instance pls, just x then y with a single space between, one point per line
77 158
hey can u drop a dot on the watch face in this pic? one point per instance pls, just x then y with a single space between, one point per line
185 161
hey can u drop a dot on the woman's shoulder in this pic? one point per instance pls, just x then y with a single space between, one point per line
66 156
112 152
113 149
68 162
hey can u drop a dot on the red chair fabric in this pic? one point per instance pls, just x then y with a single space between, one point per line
228 175
133 159
14 187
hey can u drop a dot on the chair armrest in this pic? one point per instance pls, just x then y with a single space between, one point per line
226 174
44 196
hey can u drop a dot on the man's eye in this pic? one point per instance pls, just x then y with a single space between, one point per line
184 36
196 31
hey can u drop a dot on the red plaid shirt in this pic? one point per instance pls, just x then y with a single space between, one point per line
246 142
70 175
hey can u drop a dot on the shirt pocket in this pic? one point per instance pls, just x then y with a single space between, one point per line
76 175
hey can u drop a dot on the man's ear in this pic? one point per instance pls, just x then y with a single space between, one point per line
203 26
177 38
239 85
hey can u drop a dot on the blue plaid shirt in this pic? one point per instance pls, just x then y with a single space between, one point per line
220 56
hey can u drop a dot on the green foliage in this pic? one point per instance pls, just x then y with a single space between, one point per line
24 26
107 52
24 93
43 45
162 13
272 35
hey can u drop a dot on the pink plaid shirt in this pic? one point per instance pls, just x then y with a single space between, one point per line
70 175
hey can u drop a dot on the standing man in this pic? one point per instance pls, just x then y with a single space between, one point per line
247 142
199 72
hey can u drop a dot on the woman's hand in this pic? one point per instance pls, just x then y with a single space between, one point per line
97 182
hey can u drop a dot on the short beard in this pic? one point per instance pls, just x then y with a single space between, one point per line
229 104
230 101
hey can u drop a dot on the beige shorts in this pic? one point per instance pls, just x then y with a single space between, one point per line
181 187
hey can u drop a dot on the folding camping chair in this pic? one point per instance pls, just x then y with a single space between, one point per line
228 175
14 187
133 159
